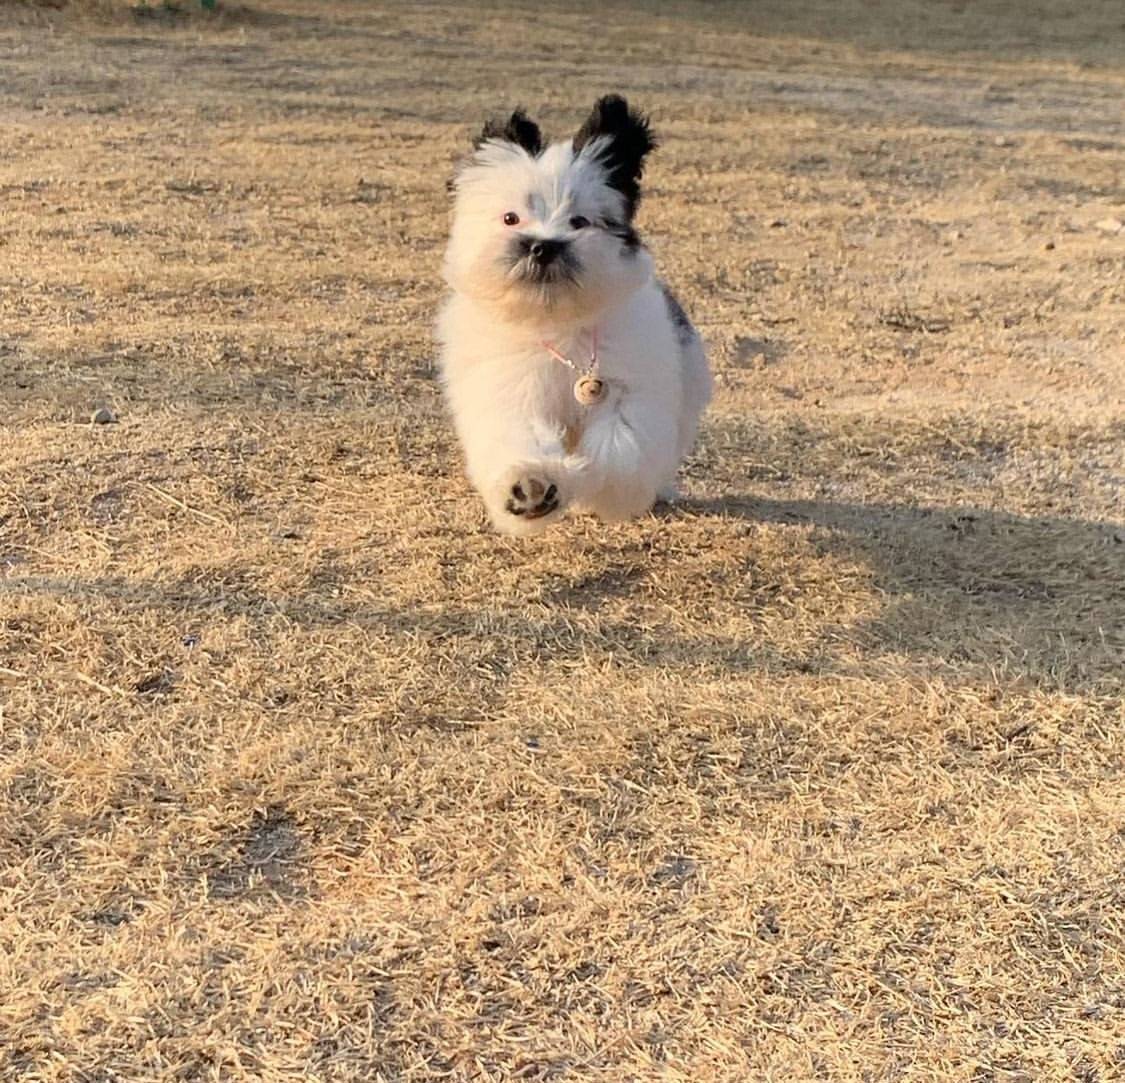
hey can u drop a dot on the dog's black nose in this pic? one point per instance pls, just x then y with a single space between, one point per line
544 251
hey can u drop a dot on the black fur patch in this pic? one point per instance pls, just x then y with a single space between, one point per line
684 329
630 139
519 128
630 238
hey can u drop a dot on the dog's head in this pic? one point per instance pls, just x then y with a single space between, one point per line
547 230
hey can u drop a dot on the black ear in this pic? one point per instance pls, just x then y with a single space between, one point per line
519 128
629 141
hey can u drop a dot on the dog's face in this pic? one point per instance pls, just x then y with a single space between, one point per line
546 232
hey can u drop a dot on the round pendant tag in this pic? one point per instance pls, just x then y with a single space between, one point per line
589 390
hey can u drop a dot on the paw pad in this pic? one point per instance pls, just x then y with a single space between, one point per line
530 498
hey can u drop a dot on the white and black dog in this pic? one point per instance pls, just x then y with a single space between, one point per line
574 377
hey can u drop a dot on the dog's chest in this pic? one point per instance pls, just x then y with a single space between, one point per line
572 388
572 437
560 409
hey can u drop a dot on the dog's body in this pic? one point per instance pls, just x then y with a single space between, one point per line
545 266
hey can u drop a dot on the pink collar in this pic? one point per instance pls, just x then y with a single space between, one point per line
568 362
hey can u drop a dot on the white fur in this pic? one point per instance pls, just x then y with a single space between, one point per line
512 403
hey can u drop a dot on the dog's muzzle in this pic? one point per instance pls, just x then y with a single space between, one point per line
543 261
543 252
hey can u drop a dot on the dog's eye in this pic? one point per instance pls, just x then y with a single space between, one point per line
579 221
511 219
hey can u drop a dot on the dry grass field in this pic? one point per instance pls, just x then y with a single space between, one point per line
306 775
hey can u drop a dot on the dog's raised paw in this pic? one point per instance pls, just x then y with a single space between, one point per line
530 498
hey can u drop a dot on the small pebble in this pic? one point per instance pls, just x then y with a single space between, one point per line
778 223
103 415
1050 246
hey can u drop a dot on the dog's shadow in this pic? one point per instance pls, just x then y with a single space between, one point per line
962 594
968 590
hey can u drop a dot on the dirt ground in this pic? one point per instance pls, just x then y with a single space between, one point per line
306 775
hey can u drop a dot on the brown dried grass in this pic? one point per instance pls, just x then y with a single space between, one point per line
306 775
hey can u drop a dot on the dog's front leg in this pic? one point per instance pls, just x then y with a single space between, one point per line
630 449
524 474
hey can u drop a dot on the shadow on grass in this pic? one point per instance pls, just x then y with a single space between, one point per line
998 595
963 594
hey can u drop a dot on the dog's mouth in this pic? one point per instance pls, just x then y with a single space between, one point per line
562 272
547 286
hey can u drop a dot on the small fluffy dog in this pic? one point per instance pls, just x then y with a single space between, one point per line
574 377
